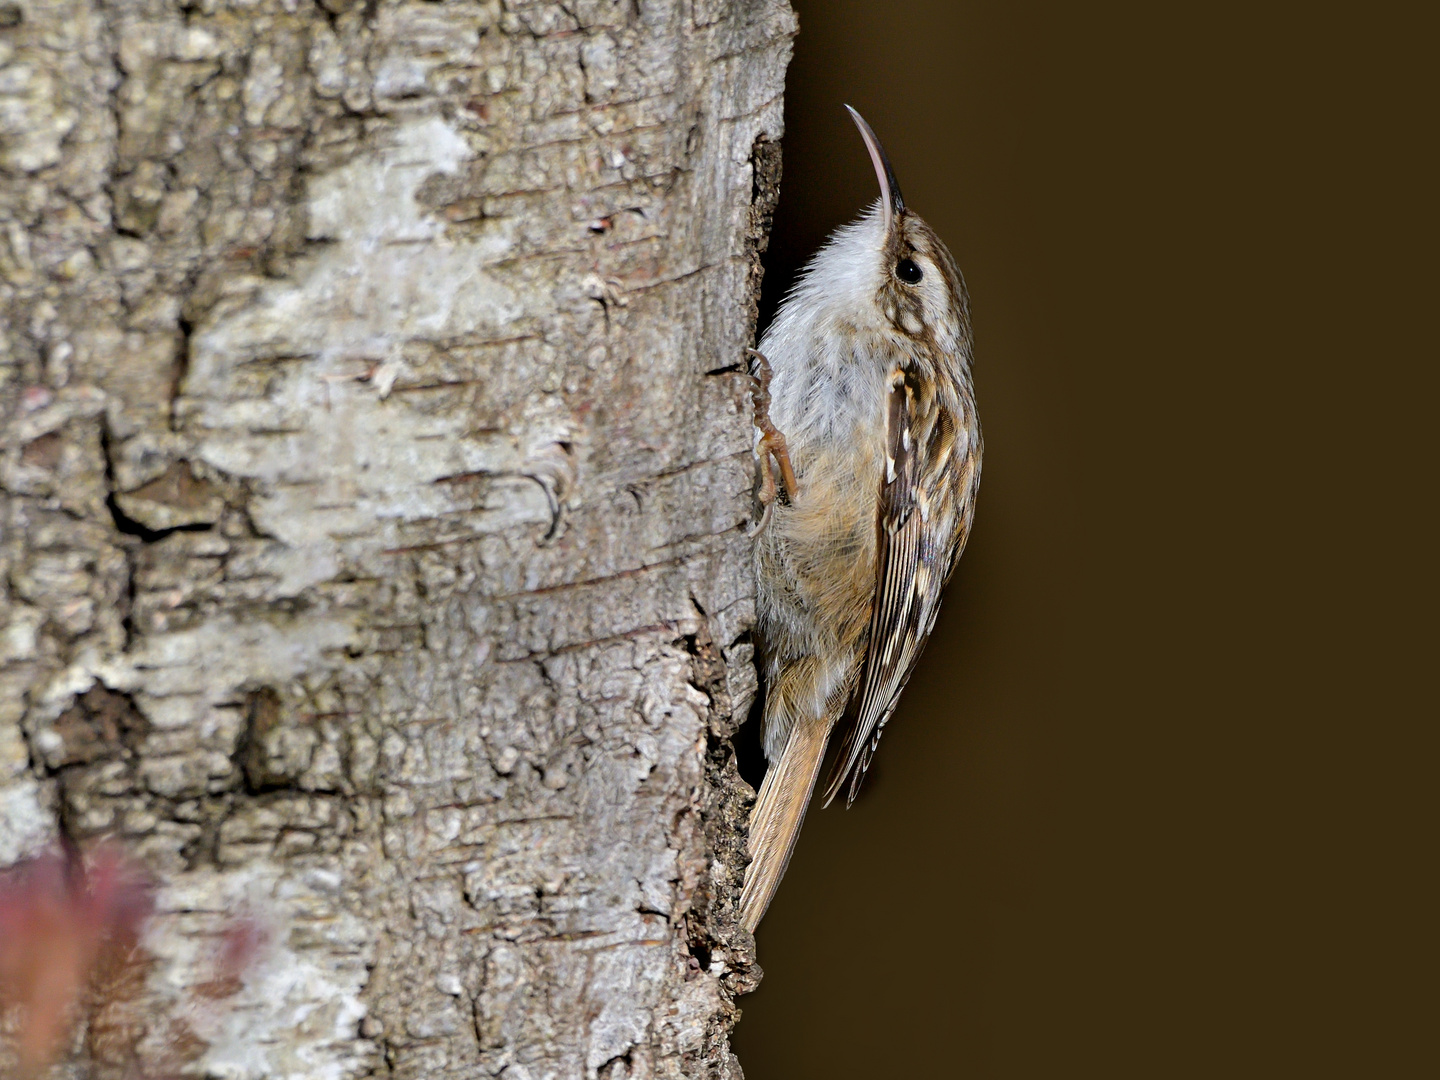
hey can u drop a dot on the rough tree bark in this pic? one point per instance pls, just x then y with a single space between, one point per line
375 465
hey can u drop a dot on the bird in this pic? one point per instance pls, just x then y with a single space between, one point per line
864 400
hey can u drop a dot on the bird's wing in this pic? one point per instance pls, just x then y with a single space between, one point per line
910 574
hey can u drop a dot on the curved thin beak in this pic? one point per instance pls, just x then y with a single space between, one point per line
890 195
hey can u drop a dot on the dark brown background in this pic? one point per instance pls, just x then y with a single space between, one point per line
1154 804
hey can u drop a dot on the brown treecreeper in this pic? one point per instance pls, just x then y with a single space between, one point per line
871 386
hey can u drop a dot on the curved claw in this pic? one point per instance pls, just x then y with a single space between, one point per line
764 520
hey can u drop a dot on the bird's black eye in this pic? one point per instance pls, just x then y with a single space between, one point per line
907 271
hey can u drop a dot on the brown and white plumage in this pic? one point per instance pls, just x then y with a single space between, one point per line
872 391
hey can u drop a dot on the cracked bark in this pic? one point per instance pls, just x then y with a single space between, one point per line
375 473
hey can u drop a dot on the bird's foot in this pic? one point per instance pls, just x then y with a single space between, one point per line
772 443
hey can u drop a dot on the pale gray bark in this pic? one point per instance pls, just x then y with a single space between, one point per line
375 464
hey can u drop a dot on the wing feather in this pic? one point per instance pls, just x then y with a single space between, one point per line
907 591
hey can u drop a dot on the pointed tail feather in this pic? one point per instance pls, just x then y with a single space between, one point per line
775 822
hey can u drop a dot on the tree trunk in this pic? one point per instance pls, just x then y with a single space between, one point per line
376 470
